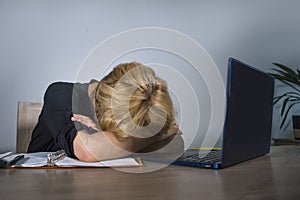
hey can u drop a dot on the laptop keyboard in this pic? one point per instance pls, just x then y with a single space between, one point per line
210 157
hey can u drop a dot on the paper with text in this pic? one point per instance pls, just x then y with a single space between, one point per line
40 160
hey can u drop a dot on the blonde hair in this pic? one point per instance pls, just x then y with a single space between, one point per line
132 96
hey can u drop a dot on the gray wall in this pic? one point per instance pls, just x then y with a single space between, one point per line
45 41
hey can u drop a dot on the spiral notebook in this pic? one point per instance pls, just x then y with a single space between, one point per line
41 159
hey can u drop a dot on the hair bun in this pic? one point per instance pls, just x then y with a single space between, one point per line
132 100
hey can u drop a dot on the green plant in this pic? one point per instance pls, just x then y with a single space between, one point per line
289 99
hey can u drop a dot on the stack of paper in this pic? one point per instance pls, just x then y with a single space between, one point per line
40 160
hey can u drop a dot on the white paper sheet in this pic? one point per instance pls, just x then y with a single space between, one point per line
3 155
67 162
40 159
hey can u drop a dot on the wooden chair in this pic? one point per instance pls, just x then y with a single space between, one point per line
27 118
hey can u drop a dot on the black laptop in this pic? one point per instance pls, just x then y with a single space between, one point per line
248 121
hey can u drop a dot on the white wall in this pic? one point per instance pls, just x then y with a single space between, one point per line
45 41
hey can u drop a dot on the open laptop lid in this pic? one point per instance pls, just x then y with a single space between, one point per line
248 121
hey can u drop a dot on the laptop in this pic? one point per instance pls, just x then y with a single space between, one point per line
248 121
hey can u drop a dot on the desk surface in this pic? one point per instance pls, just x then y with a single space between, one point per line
274 176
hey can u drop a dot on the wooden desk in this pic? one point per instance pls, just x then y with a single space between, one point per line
274 176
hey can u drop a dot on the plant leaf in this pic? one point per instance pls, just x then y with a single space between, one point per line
292 86
285 101
287 112
285 79
298 71
287 69
286 73
287 94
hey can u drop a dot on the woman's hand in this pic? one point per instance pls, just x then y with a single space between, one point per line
162 140
85 120
172 131
135 144
174 128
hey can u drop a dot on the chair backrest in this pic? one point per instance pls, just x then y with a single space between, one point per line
28 114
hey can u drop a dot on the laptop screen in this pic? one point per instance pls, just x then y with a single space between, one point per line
248 123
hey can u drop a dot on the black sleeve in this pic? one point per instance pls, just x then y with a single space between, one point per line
57 113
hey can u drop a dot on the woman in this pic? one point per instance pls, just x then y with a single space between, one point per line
128 111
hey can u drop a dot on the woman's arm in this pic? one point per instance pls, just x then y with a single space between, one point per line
105 145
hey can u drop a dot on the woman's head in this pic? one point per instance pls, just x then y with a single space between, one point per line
132 100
